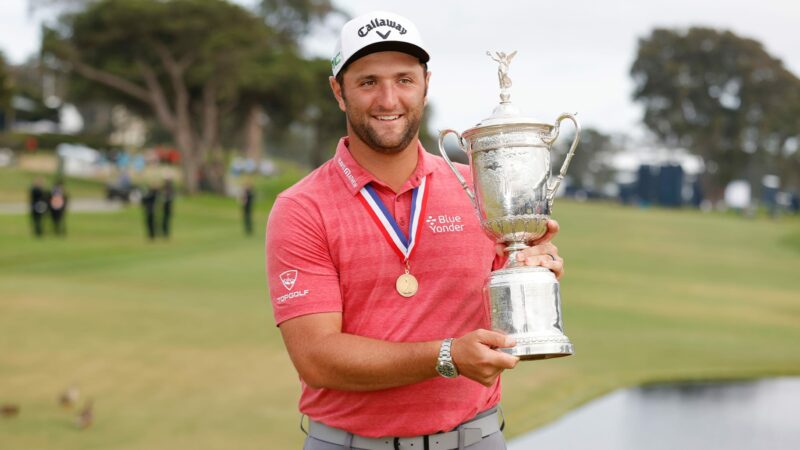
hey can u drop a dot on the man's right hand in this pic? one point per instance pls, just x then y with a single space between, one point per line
475 356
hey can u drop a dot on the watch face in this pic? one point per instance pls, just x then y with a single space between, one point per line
446 369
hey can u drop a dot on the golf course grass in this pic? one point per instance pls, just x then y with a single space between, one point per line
175 345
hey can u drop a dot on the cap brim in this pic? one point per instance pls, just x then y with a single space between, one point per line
388 46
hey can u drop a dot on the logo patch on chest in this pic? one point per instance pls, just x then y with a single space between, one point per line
445 224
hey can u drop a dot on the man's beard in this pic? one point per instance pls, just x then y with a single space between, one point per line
380 144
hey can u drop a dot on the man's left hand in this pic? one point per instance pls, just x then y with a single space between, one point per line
542 251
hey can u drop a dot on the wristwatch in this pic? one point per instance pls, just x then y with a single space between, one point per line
445 366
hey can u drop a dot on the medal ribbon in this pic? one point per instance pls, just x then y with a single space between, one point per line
401 244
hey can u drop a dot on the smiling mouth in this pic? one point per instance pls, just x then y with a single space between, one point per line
388 118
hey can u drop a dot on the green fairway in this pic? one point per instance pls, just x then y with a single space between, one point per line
175 342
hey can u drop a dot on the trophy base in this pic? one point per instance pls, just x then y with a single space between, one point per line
526 304
531 352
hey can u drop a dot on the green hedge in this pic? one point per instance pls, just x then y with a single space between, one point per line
49 141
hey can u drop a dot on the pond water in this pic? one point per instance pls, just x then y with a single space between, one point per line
760 414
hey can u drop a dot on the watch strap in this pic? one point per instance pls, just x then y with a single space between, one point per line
445 365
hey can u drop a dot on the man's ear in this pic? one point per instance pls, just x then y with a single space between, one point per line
336 88
427 83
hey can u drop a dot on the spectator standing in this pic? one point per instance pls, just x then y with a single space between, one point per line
149 202
58 208
167 196
38 205
247 198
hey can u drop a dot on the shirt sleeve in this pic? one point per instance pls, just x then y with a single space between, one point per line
301 274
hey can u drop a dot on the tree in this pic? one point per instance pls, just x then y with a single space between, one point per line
267 85
182 59
291 19
721 96
320 112
266 80
5 93
590 168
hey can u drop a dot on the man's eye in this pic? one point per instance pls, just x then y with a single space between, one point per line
406 80
368 83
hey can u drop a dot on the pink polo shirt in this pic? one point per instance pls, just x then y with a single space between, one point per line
326 254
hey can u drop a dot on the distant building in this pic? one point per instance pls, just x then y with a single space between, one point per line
664 177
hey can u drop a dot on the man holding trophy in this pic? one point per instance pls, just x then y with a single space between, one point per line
378 266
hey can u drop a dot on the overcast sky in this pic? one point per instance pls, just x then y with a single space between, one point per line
573 55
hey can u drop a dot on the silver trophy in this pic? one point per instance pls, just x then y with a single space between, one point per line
510 160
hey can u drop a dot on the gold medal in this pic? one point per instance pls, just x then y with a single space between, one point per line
406 285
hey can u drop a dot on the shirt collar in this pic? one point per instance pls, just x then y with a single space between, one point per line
356 177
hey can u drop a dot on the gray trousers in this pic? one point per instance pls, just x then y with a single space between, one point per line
493 441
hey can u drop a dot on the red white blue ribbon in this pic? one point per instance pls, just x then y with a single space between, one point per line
402 245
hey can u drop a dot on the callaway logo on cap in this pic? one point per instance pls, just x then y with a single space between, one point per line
374 32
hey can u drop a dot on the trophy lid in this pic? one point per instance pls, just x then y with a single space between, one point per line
506 113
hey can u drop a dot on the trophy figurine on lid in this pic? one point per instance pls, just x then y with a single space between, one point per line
509 156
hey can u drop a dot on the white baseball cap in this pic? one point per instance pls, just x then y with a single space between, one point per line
374 32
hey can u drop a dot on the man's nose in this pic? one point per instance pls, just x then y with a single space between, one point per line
387 96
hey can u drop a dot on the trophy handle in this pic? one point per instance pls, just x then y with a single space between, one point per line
461 179
552 188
